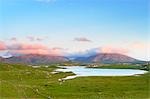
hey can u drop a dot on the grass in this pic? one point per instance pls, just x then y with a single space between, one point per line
23 82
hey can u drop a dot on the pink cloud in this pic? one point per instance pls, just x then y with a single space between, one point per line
25 48
138 45
58 48
111 49
32 47
2 45
39 51
82 39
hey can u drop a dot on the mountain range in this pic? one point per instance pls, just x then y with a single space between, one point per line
35 59
107 58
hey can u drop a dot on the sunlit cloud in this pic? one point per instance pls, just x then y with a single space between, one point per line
2 45
139 50
28 48
38 51
139 45
134 49
25 46
111 49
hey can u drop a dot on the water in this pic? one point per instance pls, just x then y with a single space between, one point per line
80 71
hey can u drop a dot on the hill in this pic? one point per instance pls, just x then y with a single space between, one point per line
36 59
104 58
107 58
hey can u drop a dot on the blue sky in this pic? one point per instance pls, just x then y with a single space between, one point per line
117 23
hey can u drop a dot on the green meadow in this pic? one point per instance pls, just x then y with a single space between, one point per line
25 82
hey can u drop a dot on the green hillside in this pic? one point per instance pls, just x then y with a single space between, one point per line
24 82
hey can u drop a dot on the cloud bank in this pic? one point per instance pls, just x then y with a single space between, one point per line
2 45
26 48
134 49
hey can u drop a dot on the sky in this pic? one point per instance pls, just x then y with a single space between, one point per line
75 27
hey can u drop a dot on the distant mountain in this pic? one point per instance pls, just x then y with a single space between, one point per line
104 58
36 59
107 58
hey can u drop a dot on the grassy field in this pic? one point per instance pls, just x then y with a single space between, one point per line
24 82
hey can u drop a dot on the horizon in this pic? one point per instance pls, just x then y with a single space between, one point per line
75 27
70 56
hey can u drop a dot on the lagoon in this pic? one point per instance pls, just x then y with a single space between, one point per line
81 71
